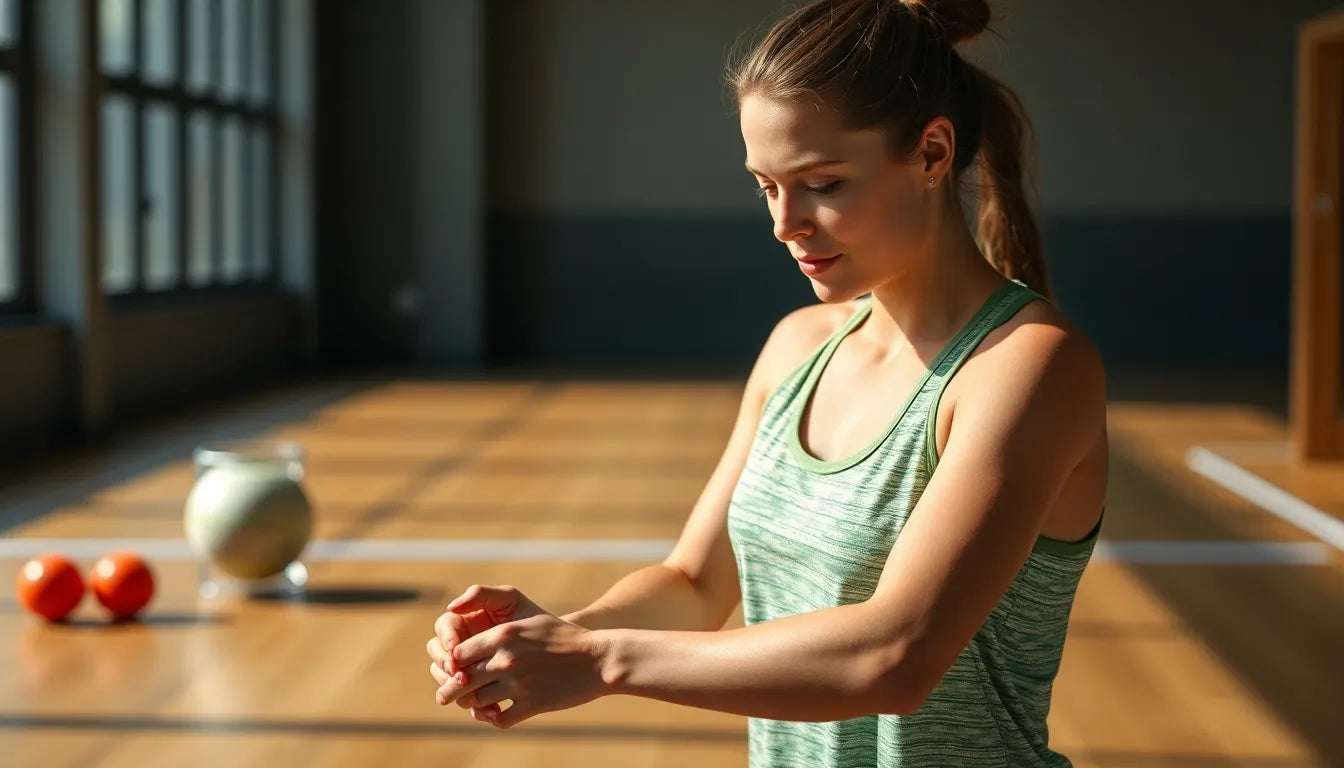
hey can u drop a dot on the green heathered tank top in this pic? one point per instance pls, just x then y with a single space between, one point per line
810 534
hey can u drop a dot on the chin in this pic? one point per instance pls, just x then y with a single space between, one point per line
837 294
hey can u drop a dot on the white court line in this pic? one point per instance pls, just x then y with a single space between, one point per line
489 550
643 550
1266 495
1253 451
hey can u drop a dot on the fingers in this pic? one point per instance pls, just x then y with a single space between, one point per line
468 663
487 714
437 652
445 627
515 714
457 626
480 647
491 695
453 628
436 671
487 645
468 700
472 678
449 630
483 699
501 603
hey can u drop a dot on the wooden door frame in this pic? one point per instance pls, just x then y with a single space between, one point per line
1314 395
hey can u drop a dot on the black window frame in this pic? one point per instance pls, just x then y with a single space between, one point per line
16 61
186 104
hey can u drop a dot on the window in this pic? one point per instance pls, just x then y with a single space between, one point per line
16 273
188 130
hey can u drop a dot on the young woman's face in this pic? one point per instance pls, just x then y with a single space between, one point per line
839 198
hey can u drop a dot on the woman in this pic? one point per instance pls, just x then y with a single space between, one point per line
916 478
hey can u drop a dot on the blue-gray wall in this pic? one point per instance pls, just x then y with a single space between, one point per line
622 225
400 193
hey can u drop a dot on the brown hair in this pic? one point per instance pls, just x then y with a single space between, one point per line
892 63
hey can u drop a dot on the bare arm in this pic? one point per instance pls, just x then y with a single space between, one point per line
1011 448
657 597
696 587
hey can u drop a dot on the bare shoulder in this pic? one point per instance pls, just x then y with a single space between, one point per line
1040 349
794 337
1045 335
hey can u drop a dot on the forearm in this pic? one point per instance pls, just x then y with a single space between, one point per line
831 664
658 597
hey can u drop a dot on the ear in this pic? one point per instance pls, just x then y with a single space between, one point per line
936 149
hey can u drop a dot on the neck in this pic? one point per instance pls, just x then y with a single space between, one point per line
928 303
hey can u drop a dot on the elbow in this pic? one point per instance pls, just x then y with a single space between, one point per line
896 700
900 683
715 602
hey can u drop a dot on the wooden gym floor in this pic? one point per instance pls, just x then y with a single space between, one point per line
1206 632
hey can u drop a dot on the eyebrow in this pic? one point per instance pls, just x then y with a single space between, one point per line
799 168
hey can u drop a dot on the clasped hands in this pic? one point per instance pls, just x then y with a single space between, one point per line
493 645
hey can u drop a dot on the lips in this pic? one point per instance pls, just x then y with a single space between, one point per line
815 265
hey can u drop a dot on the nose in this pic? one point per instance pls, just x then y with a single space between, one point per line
793 220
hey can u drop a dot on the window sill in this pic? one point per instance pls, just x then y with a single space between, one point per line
192 297
27 325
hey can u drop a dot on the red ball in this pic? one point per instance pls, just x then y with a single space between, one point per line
122 582
50 586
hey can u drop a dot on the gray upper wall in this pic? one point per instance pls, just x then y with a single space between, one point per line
1153 106
1149 106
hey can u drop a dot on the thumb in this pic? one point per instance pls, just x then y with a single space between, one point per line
500 603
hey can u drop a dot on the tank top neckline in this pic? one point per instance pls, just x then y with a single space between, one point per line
802 456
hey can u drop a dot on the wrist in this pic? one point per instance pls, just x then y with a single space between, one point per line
610 649
583 617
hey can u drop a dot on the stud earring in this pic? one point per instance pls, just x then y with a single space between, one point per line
932 180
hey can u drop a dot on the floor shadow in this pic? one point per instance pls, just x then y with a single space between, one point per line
1279 629
180 619
352 595
534 729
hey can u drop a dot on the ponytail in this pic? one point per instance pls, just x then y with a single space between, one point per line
1006 228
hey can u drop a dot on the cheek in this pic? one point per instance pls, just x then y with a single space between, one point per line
904 208
882 218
